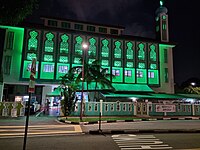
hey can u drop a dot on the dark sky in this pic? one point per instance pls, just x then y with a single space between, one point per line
138 18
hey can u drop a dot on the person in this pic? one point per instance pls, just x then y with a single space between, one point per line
46 109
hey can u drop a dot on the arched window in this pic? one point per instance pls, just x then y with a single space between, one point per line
49 43
92 47
33 41
64 46
105 49
117 50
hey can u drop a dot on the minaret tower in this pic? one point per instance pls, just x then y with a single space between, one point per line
162 30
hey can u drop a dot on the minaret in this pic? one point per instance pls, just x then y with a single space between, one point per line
162 30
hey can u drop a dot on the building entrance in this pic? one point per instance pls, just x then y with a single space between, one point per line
141 108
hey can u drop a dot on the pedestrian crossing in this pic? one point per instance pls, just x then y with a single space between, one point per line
38 130
139 142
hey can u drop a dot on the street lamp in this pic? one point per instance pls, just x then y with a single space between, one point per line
84 48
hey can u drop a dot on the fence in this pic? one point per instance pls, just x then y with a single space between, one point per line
131 109
13 109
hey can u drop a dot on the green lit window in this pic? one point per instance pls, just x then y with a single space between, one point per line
92 47
117 63
139 74
30 56
7 64
49 43
9 40
66 25
165 56
102 30
33 41
141 65
78 45
151 74
48 68
105 49
78 26
164 17
77 60
129 50
29 67
104 62
78 70
91 28
90 61
128 73
141 53
63 59
48 57
153 53
157 28
117 50
129 64
164 26
153 66
62 69
52 23
113 31
116 72
64 46
166 75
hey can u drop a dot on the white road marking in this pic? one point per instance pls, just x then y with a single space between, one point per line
137 142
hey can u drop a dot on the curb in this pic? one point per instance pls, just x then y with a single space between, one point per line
143 131
134 120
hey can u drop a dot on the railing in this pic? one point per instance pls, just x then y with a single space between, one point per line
13 109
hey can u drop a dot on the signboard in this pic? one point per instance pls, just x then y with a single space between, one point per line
165 108
32 77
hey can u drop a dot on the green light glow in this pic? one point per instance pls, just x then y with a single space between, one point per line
117 50
152 53
90 61
47 70
33 41
141 65
153 66
153 77
161 3
129 50
141 76
105 49
64 46
129 64
118 72
78 45
104 62
141 53
92 47
117 63
77 60
129 79
49 44
48 57
63 59
30 56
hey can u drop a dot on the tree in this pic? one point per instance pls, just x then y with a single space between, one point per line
68 90
14 11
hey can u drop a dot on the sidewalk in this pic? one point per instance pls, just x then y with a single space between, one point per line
142 125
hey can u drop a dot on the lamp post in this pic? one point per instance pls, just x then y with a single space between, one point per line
84 46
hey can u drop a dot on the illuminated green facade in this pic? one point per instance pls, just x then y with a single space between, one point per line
131 61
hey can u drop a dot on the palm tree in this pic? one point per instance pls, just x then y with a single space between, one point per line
69 88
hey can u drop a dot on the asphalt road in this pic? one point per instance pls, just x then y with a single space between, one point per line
105 142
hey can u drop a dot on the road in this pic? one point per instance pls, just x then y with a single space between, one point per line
105 142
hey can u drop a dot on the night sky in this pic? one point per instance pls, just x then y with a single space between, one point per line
138 18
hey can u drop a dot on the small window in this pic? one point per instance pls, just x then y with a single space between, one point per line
151 74
62 69
139 74
129 107
113 31
112 107
166 75
128 73
48 68
96 107
118 106
165 56
7 65
78 27
102 30
52 23
150 108
66 25
116 72
10 40
91 28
